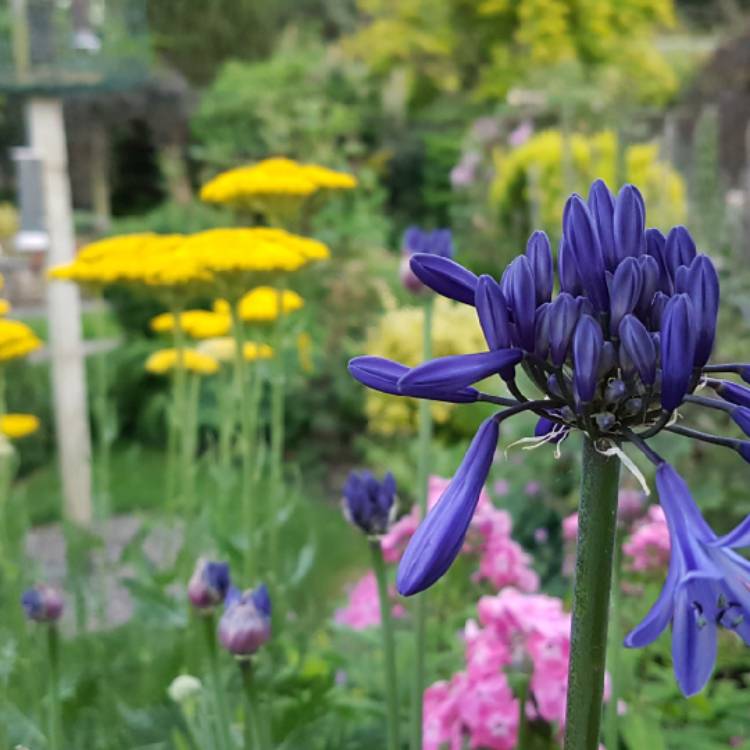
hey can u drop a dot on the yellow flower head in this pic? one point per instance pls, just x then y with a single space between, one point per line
165 360
274 177
223 349
198 324
16 340
261 305
4 307
16 426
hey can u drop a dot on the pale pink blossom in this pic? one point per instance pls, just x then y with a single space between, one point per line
362 610
648 545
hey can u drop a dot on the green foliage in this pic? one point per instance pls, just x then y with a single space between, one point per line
486 48
305 101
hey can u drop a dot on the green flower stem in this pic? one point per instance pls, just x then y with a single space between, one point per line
221 713
177 420
226 430
278 393
389 648
54 723
102 415
425 439
247 439
523 720
597 524
255 737
611 730
190 439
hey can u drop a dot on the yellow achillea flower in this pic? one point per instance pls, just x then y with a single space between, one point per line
274 177
223 349
304 352
16 340
16 426
198 324
261 305
4 307
165 360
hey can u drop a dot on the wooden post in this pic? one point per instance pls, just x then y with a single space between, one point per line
47 138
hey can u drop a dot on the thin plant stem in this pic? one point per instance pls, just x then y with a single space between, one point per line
425 439
523 719
221 713
611 729
249 511
277 430
102 415
190 439
226 431
54 723
255 737
175 436
389 646
597 524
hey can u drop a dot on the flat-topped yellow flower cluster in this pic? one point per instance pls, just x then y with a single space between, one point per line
16 340
17 426
166 360
278 177
176 261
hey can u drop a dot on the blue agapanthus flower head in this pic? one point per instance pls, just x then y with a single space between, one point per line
437 242
369 503
614 333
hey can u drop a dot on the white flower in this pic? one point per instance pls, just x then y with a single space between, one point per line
184 687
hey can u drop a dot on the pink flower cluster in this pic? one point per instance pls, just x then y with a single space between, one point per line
516 631
362 610
502 561
648 545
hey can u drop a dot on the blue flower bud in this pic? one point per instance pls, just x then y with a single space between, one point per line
658 303
679 249
539 253
492 311
567 270
522 301
703 290
580 233
602 207
741 417
608 358
209 584
43 603
368 503
638 345
587 348
383 375
452 373
615 391
655 247
563 316
625 292
246 623
650 284
445 277
605 420
629 223
544 426
541 330
732 392
678 340
440 536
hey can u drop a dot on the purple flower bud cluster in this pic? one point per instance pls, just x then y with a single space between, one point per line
43 603
615 333
369 503
246 623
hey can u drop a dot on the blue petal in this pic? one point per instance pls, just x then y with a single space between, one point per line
445 277
492 310
539 253
522 300
629 223
678 339
378 373
679 249
693 647
458 370
602 206
703 288
637 343
588 341
738 537
440 537
625 292
567 270
658 617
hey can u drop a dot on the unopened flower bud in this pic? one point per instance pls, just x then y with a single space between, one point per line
43 603
209 584
246 623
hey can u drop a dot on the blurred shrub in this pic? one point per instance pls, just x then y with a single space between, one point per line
488 47
8 220
305 101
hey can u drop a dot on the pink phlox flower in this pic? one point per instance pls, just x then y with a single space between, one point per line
648 546
362 609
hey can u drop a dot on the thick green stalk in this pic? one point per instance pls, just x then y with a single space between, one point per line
102 415
425 439
597 524
221 714
54 723
255 737
611 730
389 646
523 721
